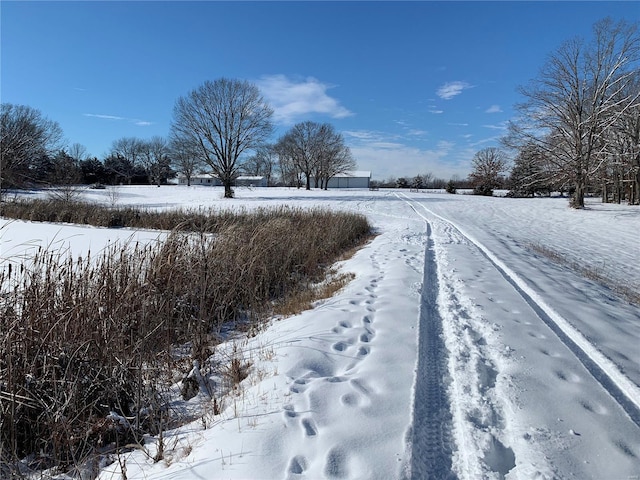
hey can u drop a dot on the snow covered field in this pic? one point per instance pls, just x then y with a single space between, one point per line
457 350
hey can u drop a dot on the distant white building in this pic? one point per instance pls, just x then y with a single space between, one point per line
352 179
211 180
251 181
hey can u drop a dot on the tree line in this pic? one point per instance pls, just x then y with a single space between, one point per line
222 127
578 128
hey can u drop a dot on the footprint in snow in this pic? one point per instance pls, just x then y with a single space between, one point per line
336 464
363 351
309 427
299 385
340 346
350 400
366 337
298 465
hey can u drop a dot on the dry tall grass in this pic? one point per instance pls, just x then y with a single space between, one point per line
87 344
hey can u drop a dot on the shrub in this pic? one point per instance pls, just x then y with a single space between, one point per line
485 190
451 187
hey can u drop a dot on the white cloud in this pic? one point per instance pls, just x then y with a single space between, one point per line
414 132
360 134
105 117
292 99
140 123
436 111
452 89
445 146
484 141
500 126
493 109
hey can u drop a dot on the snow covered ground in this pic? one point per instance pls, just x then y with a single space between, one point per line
456 352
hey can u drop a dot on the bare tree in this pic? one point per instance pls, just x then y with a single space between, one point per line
300 144
184 158
488 166
129 149
576 98
78 152
290 175
25 135
334 157
155 158
65 177
626 144
316 151
262 163
427 180
224 118
527 176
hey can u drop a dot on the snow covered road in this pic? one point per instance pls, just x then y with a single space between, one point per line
458 351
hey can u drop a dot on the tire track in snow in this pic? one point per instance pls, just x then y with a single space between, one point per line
468 378
608 374
431 443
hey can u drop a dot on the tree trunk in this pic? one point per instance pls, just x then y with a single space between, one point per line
228 191
578 196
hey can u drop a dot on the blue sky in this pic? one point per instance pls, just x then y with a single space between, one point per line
414 87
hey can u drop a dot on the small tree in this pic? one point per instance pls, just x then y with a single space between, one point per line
451 187
488 166
417 182
402 182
